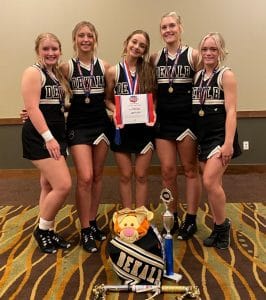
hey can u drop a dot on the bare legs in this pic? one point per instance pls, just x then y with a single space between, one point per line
167 152
55 185
89 164
126 169
213 171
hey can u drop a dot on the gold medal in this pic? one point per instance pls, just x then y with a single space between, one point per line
201 113
170 89
87 100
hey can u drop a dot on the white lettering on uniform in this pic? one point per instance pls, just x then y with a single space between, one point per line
121 259
128 263
51 92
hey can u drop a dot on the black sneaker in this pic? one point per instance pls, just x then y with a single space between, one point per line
211 240
186 231
173 230
97 233
58 241
88 241
223 239
44 240
220 236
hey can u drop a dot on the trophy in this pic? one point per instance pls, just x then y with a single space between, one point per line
168 222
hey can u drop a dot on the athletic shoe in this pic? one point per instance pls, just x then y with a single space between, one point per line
211 240
44 240
58 241
220 236
97 233
186 231
87 241
223 239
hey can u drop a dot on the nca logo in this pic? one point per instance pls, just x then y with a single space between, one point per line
133 99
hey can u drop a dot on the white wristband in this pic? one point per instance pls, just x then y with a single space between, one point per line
47 136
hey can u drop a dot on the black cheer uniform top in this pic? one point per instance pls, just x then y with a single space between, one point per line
174 110
210 128
135 138
33 144
87 123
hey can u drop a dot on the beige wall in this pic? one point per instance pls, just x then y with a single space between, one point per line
242 23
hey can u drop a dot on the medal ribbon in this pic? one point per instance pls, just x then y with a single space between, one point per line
133 86
60 90
203 89
170 75
133 83
86 83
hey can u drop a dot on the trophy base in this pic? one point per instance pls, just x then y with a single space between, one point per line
175 276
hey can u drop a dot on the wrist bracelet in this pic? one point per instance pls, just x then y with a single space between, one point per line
47 136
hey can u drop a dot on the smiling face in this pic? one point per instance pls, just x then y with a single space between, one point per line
170 30
136 46
48 50
210 52
85 40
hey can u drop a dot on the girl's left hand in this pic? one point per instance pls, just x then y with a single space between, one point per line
225 154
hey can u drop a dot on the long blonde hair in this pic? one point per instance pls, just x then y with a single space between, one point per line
55 69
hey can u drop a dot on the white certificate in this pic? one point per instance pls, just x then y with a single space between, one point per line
133 109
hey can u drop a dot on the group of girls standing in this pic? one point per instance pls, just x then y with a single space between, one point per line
196 122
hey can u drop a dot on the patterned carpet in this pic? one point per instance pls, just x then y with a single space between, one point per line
27 274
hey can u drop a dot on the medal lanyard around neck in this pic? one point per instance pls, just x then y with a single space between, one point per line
170 74
86 83
203 89
133 83
61 94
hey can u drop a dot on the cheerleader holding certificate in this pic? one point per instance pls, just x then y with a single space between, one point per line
130 88
133 108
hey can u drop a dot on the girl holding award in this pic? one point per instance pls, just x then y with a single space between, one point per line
175 67
130 85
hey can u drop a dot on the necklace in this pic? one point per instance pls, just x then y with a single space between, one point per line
203 90
86 83
132 73
170 74
132 80
61 94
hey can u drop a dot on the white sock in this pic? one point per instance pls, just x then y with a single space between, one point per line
46 225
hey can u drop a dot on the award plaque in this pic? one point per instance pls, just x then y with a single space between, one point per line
133 109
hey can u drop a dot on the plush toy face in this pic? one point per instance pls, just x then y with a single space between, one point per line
131 225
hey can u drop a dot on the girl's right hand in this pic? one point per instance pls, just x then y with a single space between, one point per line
115 122
24 115
53 148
